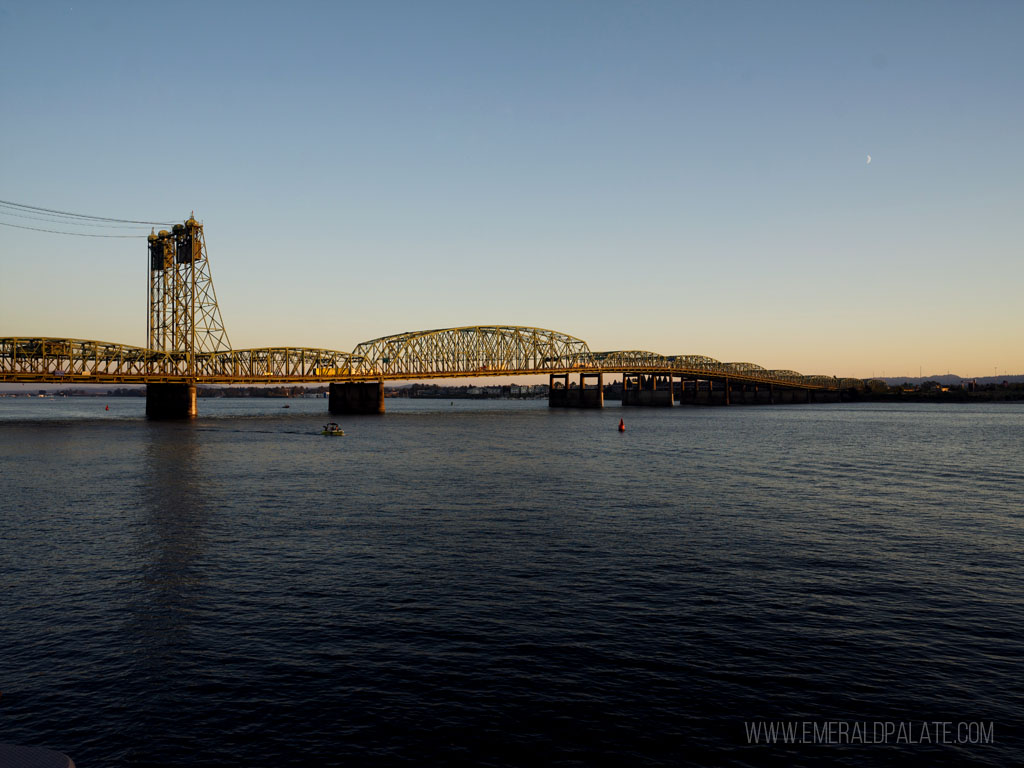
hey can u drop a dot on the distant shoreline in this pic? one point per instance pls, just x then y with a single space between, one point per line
995 395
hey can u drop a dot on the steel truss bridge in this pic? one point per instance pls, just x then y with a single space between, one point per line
188 344
444 353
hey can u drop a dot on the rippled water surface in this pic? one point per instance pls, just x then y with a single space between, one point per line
497 583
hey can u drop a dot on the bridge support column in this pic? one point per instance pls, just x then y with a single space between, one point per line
171 401
652 390
561 396
593 397
691 392
558 391
356 397
704 392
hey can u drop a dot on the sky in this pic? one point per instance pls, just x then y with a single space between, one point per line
679 177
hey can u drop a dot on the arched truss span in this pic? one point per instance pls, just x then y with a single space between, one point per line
476 350
793 377
694 362
745 367
630 359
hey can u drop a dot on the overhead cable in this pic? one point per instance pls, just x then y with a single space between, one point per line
23 206
58 232
70 222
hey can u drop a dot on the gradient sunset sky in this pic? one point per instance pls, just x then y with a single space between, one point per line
681 177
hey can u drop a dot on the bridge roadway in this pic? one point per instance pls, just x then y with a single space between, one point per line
443 353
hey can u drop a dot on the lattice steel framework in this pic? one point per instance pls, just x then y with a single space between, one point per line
470 351
79 360
83 361
452 352
691 366
275 364
183 313
629 359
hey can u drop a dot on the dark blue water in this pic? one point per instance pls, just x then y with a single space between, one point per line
496 583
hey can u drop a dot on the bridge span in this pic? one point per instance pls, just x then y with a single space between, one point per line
188 346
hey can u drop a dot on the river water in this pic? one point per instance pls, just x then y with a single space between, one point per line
498 583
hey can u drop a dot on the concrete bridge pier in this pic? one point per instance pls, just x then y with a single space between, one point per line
561 395
355 397
652 390
594 396
793 396
702 392
171 401
718 395
687 391
751 394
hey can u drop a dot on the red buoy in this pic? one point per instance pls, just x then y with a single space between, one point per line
107 408
622 426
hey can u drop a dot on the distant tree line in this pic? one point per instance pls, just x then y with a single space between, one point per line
221 391
293 391
936 391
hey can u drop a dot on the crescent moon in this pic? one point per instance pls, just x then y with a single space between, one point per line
869 160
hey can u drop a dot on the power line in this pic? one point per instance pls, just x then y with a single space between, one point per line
23 206
74 222
58 232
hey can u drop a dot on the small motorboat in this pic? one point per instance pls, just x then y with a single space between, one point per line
332 430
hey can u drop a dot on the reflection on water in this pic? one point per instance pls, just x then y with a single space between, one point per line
169 533
161 627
